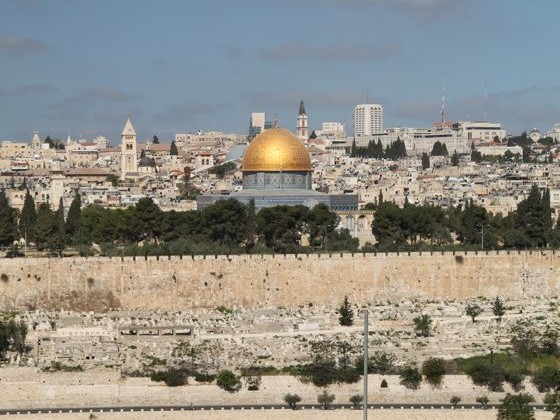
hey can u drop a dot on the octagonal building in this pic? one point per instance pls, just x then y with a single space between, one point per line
277 171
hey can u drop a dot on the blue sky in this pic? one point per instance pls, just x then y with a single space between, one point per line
173 66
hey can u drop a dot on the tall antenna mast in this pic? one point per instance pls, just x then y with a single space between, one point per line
485 99
443 101
367 95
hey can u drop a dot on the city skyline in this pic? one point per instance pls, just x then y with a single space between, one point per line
71 67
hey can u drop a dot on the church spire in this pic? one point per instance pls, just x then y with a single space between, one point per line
302 108
301 124
128 129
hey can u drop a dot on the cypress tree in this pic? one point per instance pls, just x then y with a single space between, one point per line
353 149
455 159
8 227
73 220
546 209
28 217
173 149
425 161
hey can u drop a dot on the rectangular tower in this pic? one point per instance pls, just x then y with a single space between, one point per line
368 119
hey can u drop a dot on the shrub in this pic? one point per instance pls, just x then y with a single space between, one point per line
411 377
423 325
546 377
515 379
384 384
552 401
434 369
227 380
171 377
204 377
455 400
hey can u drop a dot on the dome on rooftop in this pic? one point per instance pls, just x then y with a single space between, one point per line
276 150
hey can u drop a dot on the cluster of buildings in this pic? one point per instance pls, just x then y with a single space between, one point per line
277 166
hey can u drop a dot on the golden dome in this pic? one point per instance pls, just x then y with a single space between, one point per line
276 150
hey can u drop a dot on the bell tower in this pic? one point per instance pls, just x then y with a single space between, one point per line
301 125
129 164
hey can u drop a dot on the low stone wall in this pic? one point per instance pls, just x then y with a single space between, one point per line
261 281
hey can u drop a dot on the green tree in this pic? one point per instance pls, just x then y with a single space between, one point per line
28 218
45 230
552 401
227 380
8 225
292 400
473 311
225 222
346 313
531 218
439 149
356 400
353 149
423 325
498 308
425 161
173 151
325 399
251 225
281 227
321 223
12 337
147 219
434 370
516 407
455 400
155 139
388 225
455 159
50 142
483 401
72 226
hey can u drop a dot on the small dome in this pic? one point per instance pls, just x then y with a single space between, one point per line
276 150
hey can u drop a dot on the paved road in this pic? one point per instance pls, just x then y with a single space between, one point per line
132 408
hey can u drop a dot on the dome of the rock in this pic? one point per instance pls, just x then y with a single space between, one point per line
276 150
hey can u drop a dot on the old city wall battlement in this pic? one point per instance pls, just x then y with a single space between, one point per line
260 281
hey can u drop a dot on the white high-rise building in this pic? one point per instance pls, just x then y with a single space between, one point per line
368 119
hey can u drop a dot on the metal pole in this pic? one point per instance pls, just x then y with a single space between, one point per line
365 363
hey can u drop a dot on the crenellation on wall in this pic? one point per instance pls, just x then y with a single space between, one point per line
254 281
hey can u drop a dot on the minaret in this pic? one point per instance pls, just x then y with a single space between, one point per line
129 164
301 125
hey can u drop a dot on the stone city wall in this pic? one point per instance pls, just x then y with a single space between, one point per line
261 281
